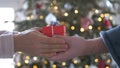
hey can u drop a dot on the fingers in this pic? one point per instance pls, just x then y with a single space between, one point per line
52 40
48 55
53 46
51 50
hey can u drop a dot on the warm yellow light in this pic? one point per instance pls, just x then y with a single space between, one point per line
99 28
76 11
19 52
63 63
75 61
55 7
26 61
111 18
54 66
18 64
82 29
107 67
96 60
66 14
28 18
41 17
96 11
27 57
102 15
32 16
109 61
45 62
72 27
90 27
99 19
86 66
35 66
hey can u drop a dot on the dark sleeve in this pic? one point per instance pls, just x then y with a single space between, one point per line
111 39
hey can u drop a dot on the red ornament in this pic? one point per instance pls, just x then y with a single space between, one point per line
107 23
54 30
39 5
102 64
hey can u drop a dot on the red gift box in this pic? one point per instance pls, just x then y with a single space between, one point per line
54 30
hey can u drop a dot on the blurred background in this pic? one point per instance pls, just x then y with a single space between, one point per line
80 17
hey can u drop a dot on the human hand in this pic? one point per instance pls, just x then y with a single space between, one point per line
35 43
78 46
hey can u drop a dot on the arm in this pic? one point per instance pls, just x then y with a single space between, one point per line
109 41
111 38
78 46
6 44
31 42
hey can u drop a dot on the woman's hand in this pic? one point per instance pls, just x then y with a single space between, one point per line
33 42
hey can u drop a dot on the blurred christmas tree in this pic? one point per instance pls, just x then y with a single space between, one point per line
81 17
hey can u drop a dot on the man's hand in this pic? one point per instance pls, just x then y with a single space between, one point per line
33 42
78 46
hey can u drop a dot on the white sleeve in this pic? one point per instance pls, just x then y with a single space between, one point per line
6 44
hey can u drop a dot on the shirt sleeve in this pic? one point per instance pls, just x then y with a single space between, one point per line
111 38
6 44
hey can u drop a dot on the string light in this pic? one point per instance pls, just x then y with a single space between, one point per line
99 27
32 16
82 29
76 11
35 58
96 11
27 57
111 18
45 62
109 61
96 60
41 16
72 27
102 15
86 66
55 7
35 66
63 63
19 52
66 14
107 67
75 61
54 66
28 18
90 27
99 19
26 61
18 64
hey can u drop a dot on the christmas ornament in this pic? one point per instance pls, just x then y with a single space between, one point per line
101 64
106 23
39 5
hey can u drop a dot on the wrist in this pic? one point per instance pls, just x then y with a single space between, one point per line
16 42
96 46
